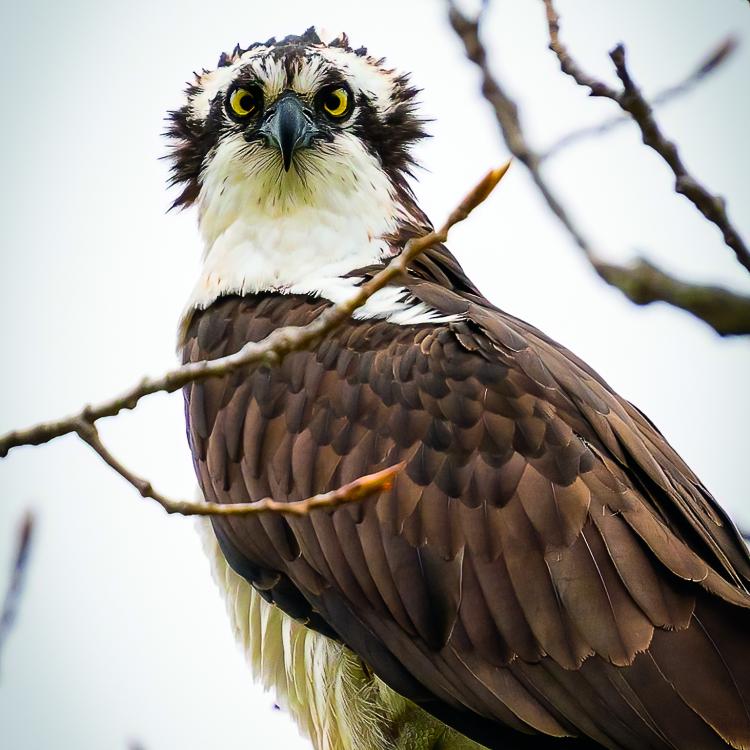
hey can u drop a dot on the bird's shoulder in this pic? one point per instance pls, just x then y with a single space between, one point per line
541 523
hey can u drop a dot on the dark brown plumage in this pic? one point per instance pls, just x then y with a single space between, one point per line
545 567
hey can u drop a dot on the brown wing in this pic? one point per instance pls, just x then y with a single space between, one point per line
545 567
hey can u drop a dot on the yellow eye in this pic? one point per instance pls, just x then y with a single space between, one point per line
243 103
336 102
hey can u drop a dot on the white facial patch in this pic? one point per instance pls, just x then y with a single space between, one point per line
310 75
304 230
360 72
216 82
211 85
362 75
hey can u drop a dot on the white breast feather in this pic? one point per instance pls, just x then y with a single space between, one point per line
272 231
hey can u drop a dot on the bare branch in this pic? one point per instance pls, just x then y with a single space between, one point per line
506 113
726 312
567 64
642 283
18 572
357 490
711 206
270 350
709 64
631 100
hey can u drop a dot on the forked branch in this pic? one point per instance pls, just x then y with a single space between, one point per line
712 61
727 313
631 100
359 489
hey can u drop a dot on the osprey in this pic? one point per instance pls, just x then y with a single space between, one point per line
545 572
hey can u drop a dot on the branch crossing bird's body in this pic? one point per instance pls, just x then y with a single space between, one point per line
545 572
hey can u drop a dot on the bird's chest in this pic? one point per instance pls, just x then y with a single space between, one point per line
306 426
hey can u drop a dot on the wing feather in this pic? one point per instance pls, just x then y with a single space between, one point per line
545 564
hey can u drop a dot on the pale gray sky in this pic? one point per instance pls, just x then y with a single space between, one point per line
121 635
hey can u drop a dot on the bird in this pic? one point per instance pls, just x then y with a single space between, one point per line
544 572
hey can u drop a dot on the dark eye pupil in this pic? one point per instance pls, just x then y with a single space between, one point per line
333 101
246 102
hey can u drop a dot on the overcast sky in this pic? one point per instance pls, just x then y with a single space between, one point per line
121 635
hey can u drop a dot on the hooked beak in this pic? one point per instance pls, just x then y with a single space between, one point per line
287 127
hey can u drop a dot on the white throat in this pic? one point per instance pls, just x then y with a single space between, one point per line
271 231
274 231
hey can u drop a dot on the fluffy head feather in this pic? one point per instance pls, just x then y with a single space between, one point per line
382 122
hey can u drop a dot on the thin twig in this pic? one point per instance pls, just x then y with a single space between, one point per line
270 350
506 113
359 489
17 576
642 282
631 100
567 64
710 63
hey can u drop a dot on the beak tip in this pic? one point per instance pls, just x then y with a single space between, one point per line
288 128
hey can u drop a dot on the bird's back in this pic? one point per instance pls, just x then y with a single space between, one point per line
544 563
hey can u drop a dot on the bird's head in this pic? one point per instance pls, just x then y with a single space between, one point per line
290 118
